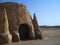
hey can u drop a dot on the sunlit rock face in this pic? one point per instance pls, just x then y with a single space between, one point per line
38 34
18 24
5 36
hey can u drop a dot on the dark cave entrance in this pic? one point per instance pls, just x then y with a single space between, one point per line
24 32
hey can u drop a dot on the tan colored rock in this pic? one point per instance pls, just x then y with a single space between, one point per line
20 22
25 19
5 36
38 34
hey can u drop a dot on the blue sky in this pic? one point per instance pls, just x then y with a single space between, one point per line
47 11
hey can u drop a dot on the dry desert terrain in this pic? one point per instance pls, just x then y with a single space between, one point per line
51 36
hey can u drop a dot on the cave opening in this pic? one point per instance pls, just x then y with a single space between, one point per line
24 32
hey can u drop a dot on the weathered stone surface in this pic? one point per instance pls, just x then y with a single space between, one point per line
5 36
38 34
25 18
20 22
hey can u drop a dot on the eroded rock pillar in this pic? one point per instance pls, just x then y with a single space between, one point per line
38 34
5 36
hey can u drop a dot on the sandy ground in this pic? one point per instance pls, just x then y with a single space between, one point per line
50 37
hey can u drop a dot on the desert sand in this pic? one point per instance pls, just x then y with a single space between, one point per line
50 37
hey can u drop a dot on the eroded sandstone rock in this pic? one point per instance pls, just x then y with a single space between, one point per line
16 23
5 36
38 34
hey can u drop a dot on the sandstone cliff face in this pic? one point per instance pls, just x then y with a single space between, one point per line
19 21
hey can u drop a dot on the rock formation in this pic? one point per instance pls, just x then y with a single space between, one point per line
16 23
5 36
38 34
